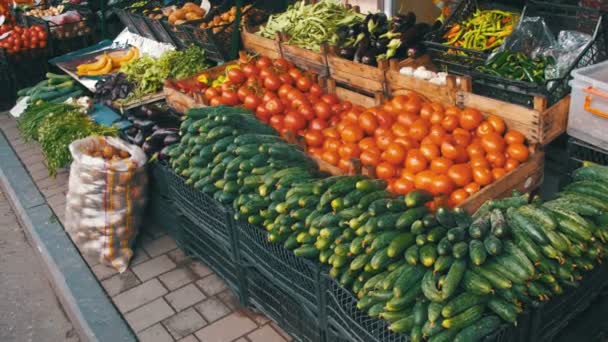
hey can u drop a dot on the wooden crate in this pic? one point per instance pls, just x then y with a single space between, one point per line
315 62
259 45
353 96
540 125
366 78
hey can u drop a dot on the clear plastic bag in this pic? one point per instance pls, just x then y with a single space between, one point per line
106 200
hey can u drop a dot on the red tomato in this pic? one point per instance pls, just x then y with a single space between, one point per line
274 106
315 90
263 62
330 99
251 102
294 73
318 124
229 98
236 76
272 82
307 112
286 79
322 109
248 69
303 83
293 121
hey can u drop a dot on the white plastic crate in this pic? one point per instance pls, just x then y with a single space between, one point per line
588 118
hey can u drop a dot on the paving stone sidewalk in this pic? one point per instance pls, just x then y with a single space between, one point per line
164 296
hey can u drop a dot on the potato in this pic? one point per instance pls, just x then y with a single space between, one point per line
179 22
180 14
192 16
172 18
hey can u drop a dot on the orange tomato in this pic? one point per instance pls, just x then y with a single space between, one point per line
437 134
394 154
385 170
351 117
475 150
498 172
385 119
352 133
406 174
485 128
441 185
436 118
461 138
493 143
318 124
426 111
413 105
496 159
345 165
388 107
511 164
458 196
482 175
438 107
330 157
452 111
472 188
514 137
407 119
368 122
349 150
497 123
367 143
460 174
407 143
400 130
331 132
430 151
424 180
441 165
415 161
403 186
331 144
518 152
313 138
384 140
479 162
453 151
419 129
470 118
450 122
370 157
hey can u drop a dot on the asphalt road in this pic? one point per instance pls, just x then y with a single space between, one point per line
29 310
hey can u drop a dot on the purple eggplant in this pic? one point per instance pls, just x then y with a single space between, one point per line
171 139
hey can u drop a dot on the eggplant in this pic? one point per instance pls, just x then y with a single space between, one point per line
164 153
369 58
416 50
149 148
138 139
144 125
403 22
159 135
347 53
171 139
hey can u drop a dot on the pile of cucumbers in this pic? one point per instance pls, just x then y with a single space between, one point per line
443 276
55 89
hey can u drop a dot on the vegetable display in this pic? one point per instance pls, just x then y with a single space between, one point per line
46 12
155 128
379 38
55 89
113 87
415 144
484 31
188 12
443 276
518 66
107 63
18 39
55 126
308 26
149 74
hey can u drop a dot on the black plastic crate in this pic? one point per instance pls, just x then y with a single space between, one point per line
197 242
297 276
201 209
159 30
160 207
21 70
579 151
280 305
214 40
558 17
347 323
551 317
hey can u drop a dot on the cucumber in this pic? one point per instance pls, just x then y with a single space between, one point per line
399 244
416 334
464 319
443 263
428 255
496 279
527 226
381 241
456 234
375 310
420 311
405 301
306 251
393 317
444 247
359 262
512 264
429 220
446 335
475 283
492 245
389 281
461 303
369 185
368 199
510 202
480 227
417 227
477 252
387 221
459 250
417 198
406 219
434 311
430 329
539 215
575 230
380 259
445 217
436 234
520 256
478 330
505 310
498 223
557 241
412 255
403 325
378 207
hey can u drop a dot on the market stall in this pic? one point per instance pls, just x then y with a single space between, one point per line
350 175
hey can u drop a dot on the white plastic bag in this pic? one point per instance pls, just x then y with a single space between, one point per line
106 199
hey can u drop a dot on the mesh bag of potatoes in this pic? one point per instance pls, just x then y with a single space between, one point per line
106 198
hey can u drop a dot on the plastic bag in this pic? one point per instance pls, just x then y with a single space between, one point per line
106 199
534 38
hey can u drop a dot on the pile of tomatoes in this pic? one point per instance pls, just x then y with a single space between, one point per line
414 144
280 95
22 38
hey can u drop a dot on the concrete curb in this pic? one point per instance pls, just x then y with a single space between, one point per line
89 308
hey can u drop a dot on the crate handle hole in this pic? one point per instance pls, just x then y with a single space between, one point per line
592 91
